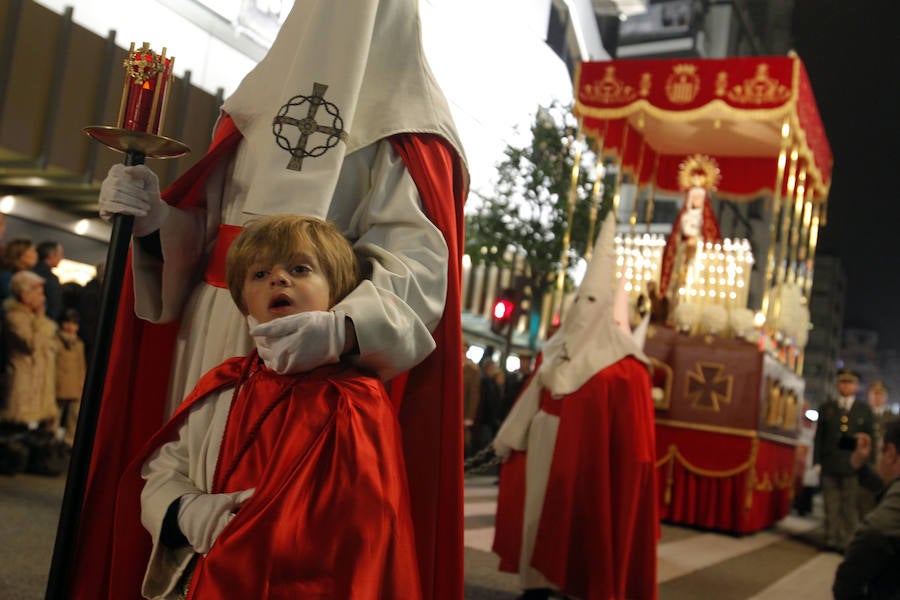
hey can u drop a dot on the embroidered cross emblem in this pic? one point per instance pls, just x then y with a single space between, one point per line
301 128
707 386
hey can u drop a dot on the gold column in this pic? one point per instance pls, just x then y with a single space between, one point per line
781 270
596 193
776 208
567 236
795 226
813 241
803 244
619 173
651 199
637 188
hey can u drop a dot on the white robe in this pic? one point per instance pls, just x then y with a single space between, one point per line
169 474
375 205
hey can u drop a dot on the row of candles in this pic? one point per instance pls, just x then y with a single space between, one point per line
718 274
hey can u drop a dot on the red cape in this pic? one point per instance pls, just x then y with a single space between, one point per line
327 468
597 534
710 233
133 404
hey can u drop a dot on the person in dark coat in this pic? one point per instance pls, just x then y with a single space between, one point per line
49 255
869 569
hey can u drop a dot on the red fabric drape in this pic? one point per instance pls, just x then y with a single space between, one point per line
723 482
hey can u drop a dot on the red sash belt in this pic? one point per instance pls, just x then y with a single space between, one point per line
215 269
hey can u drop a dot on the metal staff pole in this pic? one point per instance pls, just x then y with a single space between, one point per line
140 117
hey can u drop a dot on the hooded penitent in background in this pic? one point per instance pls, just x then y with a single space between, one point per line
577 503
342 120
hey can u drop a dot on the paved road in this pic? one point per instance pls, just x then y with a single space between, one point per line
782 563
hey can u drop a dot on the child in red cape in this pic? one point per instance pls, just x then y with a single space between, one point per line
275 486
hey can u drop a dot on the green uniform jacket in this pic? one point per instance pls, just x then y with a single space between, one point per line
832 424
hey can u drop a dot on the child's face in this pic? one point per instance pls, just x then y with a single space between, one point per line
70 327
288 287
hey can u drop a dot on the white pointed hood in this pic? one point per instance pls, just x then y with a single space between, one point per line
589 339
339 76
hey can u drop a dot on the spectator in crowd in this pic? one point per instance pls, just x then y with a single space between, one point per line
30 397
869 569
490 406
89 305
49 254
877 399
839 422
70 373
516 380
471 398
19 254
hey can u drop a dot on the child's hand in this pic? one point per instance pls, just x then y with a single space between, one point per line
202 517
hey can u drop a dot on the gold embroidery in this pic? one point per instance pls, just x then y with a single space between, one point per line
683 84
760 89
721 83
608 90
645 85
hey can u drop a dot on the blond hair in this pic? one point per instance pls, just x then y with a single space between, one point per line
275 237
23 281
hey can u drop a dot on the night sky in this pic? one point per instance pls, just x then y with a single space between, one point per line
852 53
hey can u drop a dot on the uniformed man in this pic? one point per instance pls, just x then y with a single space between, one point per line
839 422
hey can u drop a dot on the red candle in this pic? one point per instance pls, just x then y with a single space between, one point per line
147 74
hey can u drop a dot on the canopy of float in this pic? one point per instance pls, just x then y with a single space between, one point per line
746 113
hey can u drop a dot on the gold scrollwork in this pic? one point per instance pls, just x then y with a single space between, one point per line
683 84
760 89
721 83
608 90
646 79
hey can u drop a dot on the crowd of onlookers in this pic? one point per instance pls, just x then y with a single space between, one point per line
489 391
45 329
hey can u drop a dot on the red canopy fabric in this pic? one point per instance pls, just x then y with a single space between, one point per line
652 114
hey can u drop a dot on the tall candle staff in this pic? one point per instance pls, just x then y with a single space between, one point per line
141 116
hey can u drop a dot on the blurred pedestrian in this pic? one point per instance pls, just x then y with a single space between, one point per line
50 253
89 306
877 397
70 373
490 405
19 254
471 398
31 362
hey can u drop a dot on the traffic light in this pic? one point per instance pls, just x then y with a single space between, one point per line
503 311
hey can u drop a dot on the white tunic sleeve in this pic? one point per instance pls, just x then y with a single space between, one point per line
403 258
184 465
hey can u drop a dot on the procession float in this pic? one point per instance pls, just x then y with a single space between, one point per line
740 144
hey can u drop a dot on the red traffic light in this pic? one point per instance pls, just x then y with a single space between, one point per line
503 309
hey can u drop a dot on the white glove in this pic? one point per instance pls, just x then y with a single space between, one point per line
300 342
202 517
133 191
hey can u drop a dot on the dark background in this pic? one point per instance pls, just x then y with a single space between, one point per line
851 49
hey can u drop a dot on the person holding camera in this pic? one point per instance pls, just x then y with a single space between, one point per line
839 422
869 569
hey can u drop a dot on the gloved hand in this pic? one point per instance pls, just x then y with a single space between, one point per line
300 342
133 191
202 517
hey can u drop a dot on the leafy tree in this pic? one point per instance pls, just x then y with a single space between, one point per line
527 211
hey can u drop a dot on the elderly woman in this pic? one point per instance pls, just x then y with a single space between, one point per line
31 354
